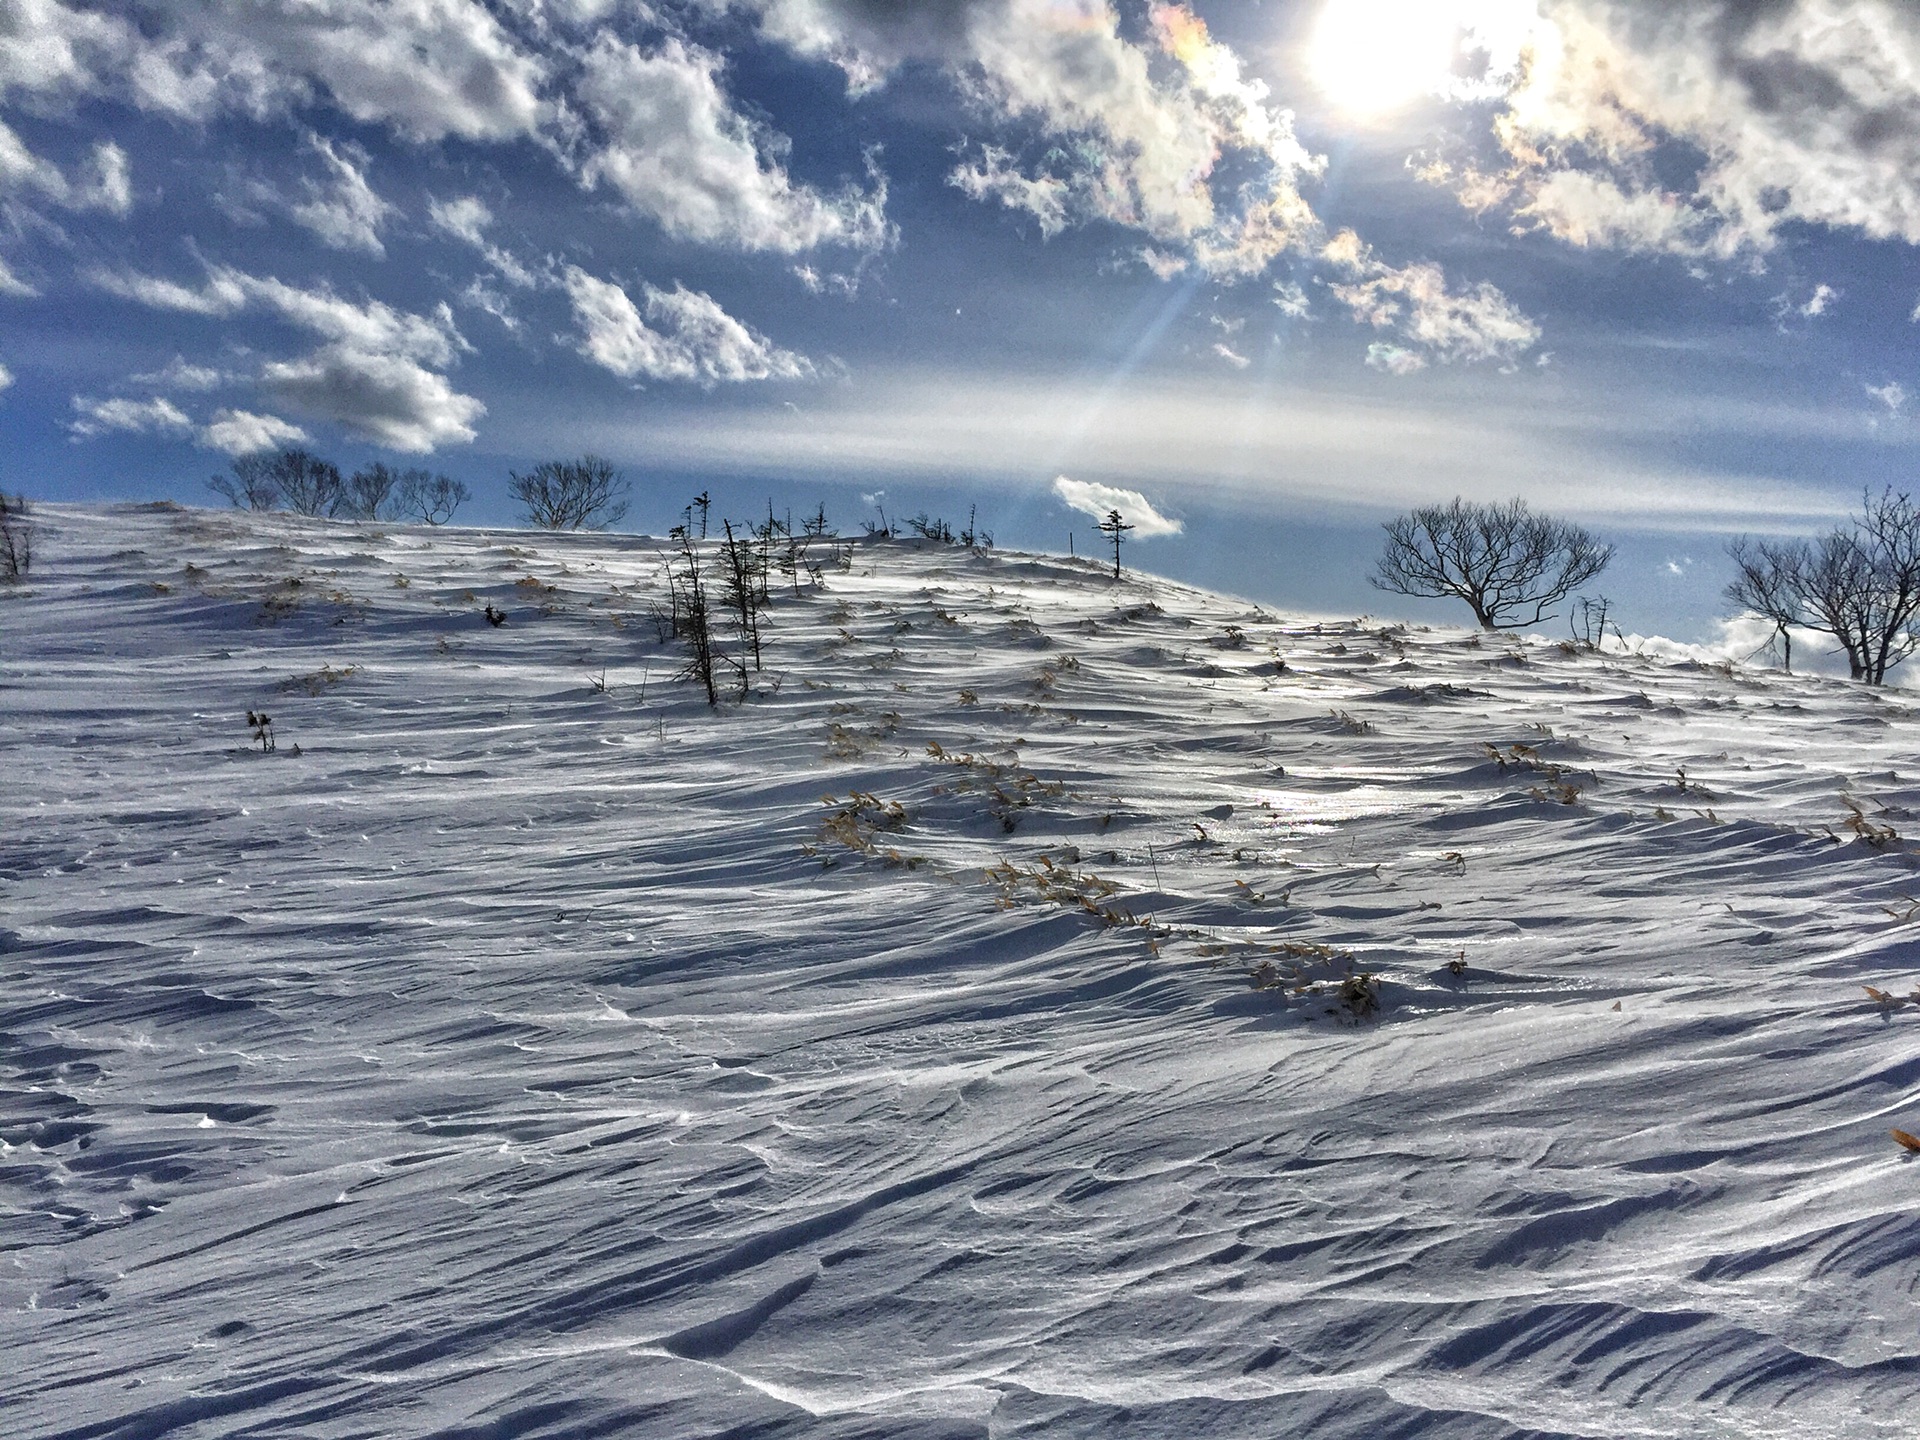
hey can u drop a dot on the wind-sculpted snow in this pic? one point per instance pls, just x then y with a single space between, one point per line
971 1034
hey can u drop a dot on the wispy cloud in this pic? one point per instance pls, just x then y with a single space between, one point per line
343 210
682 335
177 374
378 374
93 417
241 432
1803 112
1091 497
1430 320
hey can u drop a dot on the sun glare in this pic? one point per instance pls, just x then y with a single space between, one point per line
1371 57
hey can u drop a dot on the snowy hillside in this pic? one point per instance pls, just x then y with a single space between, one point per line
966 1036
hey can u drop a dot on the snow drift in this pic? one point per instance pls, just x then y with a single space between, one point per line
1046 1007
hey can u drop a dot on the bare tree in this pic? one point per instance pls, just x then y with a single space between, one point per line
583 494
743 590
369 494
1889 528
16 537
1859 584
428 497
308 484
1768 581
1115 529
251 486
1837 582
692 617
1508 564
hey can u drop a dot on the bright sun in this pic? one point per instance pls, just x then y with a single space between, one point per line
1373 56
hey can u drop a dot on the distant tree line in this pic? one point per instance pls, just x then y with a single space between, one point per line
302 482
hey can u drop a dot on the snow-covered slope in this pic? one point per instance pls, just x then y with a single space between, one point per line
959 1038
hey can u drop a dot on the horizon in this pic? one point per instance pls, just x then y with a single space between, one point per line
1283 270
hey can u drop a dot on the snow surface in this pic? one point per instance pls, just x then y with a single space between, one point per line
517 1059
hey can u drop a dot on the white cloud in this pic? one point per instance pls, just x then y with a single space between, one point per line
994 176
100 417
1820 301
867 41
1134 131
844 283
1796 111
6 378
670 142
1395 359
343 211
426 69
387 398
377 374
484 297
222 295
371 325
103 183
467 218
1090 497
12 284
177 374
1431 321
1163 263
241 432
1893 395
1133 145
695 338
1291 299
1232 356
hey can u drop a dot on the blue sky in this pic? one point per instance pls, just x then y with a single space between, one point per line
1279 269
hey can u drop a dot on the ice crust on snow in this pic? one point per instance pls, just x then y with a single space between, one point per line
521 1060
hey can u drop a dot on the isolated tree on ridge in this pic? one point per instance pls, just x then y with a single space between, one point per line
1508 564
1115 529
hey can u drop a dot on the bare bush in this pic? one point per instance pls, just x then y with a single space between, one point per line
369 494
16 537
1860 584
931 527
1589 621
251 486
583 494
308 485
1509 565
432 499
